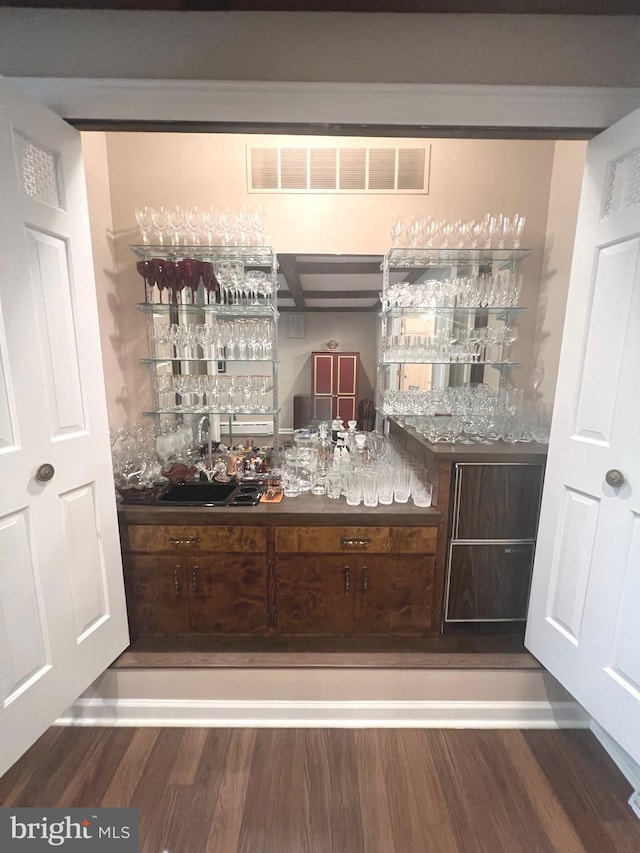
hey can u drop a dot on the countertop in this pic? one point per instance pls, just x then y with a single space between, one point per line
308 509
498 451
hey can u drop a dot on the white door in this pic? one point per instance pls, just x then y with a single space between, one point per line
584 615
62 607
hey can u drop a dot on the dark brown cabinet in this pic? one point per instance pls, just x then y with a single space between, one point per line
211 582
157 595
356 581
491 547
280 580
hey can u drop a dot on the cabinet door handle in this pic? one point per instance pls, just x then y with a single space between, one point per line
176 581
348 542
347 579
365 579
184 540
195 581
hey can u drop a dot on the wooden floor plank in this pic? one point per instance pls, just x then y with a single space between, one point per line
374 794
14 781
572 762
541 796
226 823
189 755
93 776
339 790
127 776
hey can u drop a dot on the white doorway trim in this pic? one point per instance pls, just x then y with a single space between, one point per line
332 103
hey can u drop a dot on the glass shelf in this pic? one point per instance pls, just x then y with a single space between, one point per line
163 308
431 313
497 364
209 411
178 360
259 256
416 258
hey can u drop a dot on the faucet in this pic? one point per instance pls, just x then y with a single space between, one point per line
204 434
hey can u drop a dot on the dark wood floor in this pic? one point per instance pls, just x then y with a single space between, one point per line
338 790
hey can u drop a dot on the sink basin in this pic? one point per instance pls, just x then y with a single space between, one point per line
211 494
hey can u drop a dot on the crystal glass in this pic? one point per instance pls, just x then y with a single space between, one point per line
334 483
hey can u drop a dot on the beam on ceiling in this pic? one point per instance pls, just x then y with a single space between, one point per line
341 294
289 269
342 267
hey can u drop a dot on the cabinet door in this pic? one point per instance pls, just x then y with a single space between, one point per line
228 594
315 594
489 582
497 501
157 595
394 595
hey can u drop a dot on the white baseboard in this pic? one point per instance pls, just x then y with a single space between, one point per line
324 714
627 766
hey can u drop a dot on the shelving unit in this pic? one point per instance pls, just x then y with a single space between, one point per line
218 305
403 365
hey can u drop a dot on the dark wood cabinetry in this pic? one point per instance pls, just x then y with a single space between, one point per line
281 579
490 499
493 529
212 581
356 580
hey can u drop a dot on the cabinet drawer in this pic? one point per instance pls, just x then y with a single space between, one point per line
194 539
358 540
489 582
497 501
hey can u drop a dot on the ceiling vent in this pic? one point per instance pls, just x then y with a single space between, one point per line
303 169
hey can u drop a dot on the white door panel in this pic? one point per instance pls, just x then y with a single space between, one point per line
584 616
61 594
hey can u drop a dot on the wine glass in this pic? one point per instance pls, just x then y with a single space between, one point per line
175 223
144 220
159 219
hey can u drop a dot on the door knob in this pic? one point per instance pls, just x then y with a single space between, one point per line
45 473
614 478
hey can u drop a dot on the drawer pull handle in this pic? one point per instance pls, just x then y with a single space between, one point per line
365 579
176 581
184 540
348 542
347 579
195 580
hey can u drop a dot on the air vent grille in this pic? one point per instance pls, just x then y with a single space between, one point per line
295 169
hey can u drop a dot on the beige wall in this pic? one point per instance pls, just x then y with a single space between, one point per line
468 178
518 49
564 195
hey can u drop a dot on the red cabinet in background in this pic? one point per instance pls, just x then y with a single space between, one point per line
334 385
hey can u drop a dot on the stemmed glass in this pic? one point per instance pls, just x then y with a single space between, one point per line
209 222
159 219
175 223
145 222
192 220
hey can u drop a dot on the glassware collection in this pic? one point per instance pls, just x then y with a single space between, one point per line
472 413
193 226
192 281
214 393
493 231
219 340
210 302
363 467
483 290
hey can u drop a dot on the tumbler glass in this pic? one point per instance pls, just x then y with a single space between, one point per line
385 488
422 494
370 488
402 488
354 488
334 483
